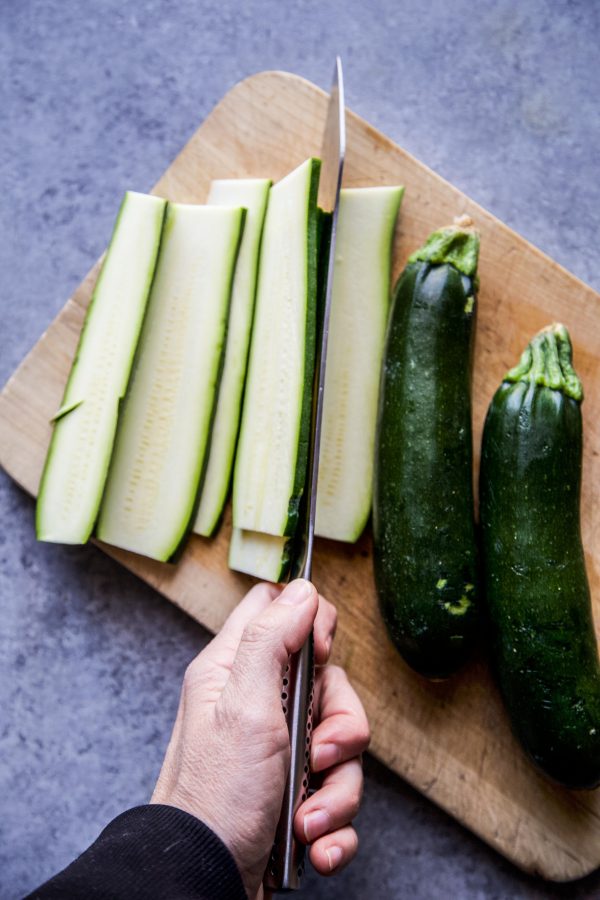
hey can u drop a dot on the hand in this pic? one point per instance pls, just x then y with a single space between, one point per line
228 756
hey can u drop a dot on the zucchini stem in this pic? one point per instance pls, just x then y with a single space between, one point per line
547 360
457 245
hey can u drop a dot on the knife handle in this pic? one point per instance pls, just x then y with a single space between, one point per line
286 865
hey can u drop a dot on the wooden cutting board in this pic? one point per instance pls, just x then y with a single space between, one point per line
452 740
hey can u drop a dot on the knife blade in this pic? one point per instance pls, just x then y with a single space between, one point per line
287 860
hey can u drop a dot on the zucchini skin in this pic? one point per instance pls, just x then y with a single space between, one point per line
314 232
537 592
425 550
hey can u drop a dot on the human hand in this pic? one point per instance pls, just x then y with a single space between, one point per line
229 753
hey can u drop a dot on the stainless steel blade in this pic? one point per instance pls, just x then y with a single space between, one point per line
287 861
333 154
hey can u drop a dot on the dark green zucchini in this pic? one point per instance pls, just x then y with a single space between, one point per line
423 522
536 585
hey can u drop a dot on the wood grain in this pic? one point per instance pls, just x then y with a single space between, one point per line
451 741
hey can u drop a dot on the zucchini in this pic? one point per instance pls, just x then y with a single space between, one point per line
265 556
537 592
423 521
269 556
150 498
359 311
252 195
84 427
270 466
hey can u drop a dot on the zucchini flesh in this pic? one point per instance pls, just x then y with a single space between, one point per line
270 556
265 556
423 517
84 426
270 466
252 195
164 429
359 312
536 586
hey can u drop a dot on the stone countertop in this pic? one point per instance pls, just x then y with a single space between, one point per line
498 97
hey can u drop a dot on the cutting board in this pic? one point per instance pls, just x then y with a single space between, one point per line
450 740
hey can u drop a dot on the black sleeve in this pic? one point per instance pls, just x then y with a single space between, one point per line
151 852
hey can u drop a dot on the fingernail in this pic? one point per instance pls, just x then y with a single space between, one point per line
315 824
296 592
328 643
326 755
334 855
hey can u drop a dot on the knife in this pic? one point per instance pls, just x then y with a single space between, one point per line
287 860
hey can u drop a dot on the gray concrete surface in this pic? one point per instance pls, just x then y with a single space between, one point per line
499 97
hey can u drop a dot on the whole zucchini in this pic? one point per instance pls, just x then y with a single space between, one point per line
423 524
536 586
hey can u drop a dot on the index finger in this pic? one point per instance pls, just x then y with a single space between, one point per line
343 730
324 630
217 657
225 643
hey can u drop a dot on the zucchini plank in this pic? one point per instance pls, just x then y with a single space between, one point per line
269 556
536 585
423 518
164 429
359 312
265 556
84 426
270 466
252 195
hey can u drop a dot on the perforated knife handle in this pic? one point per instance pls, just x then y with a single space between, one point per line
286 865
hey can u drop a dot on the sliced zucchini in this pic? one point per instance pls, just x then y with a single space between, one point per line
84 426
270 466
359 311
265 556
163 433
252 195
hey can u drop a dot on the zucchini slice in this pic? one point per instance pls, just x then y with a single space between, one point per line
252 194
84 426
270 466
265 556
359 311
163 433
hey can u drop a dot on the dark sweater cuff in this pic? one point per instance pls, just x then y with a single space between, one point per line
150 852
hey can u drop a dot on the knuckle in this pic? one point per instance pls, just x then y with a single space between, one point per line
248 718
256 632
265 728
255 718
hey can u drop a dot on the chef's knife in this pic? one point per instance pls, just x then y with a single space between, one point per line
287 861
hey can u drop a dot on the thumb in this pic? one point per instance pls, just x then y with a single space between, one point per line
267 641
